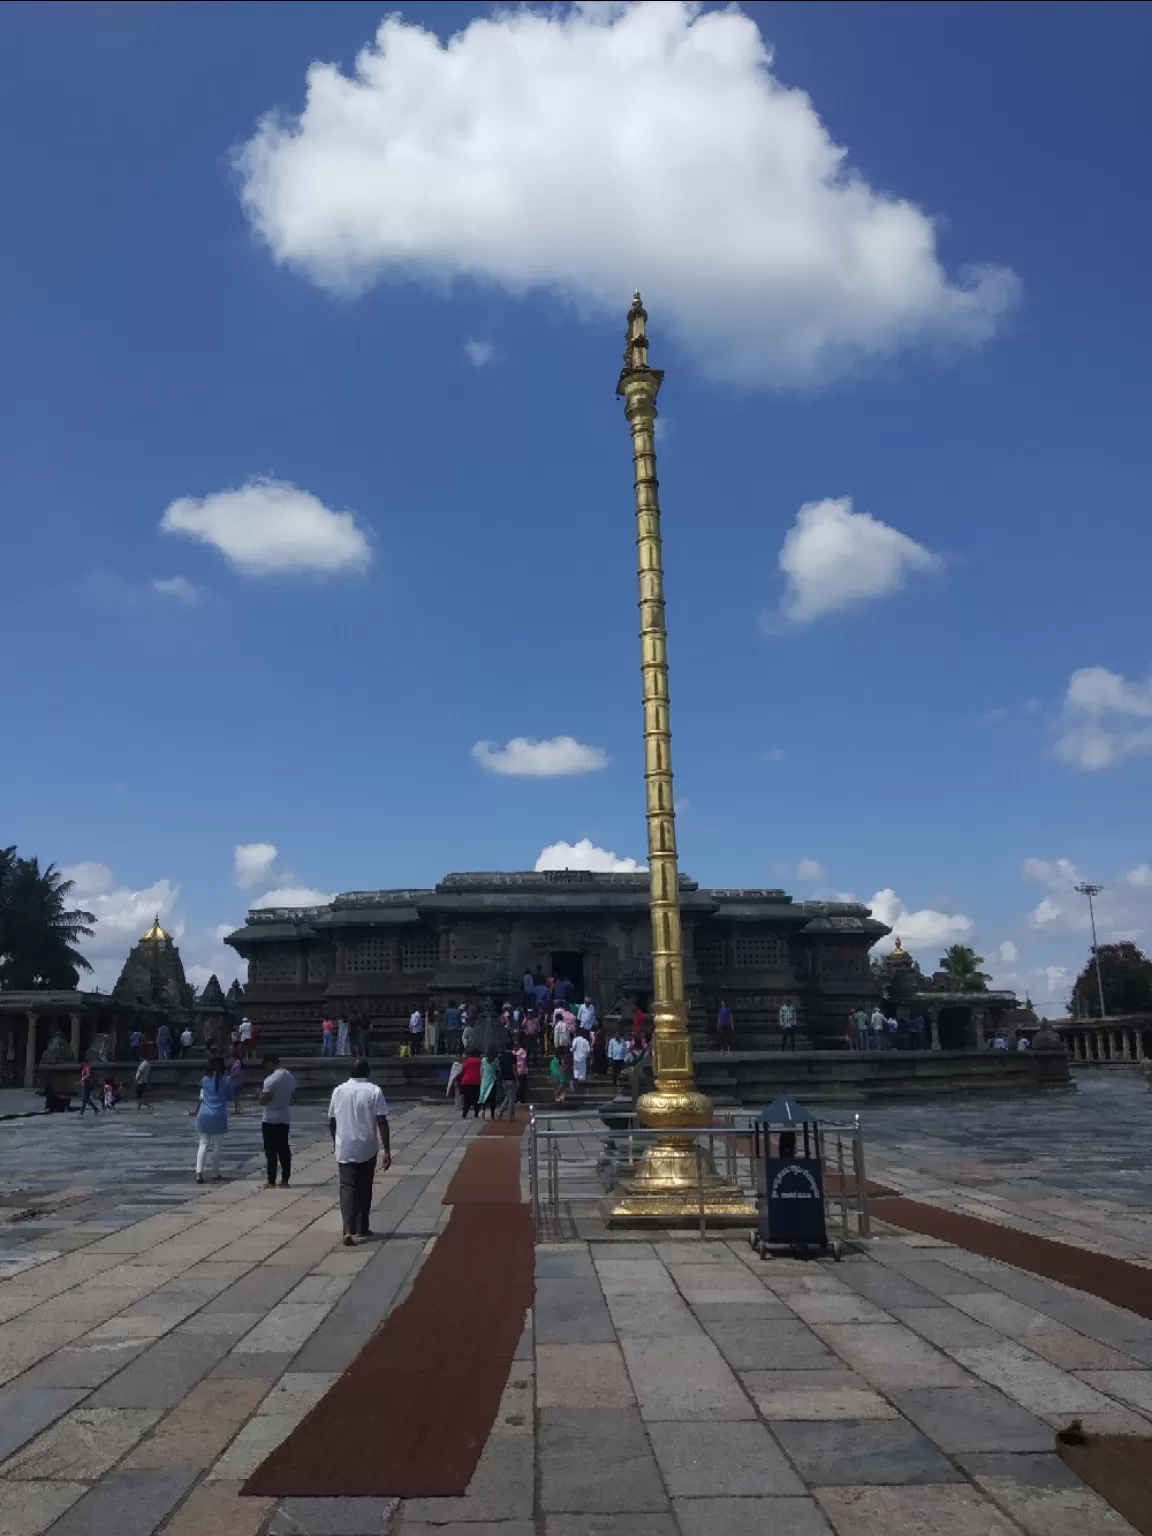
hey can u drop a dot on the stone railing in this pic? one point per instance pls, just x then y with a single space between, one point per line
1095 1042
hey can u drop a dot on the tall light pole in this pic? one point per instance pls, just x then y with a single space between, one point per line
1086 888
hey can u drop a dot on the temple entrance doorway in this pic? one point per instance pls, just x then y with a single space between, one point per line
954 1026
566 962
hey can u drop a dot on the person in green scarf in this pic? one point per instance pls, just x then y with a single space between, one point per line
490 1082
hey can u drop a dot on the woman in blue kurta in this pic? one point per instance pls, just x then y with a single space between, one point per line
211 1113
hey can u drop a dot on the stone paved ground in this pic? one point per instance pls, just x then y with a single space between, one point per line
157 1339
1076 1167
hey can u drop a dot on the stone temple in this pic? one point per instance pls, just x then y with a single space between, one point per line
381 953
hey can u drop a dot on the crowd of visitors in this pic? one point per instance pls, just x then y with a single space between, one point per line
349 1035
494 1058
874 1030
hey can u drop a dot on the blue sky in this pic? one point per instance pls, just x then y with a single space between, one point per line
347 394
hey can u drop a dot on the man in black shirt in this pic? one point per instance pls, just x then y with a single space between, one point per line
508 1084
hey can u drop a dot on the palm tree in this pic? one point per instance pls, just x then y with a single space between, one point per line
963 967
39 935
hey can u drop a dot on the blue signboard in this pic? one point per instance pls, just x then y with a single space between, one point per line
794 1201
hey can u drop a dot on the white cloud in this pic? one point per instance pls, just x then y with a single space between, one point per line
1062 905
921 930
479 353
1060 874
1097 726
178 588
775 755
834 557
122 915
1141 876
1008 952
524 757
514 152
213 957
585 855
293 896
680 806
1056 980
1048 912
810 871
252 863
270 527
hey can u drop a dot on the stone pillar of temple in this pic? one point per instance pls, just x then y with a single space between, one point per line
978 1035
74 1019
933 1030
30 1057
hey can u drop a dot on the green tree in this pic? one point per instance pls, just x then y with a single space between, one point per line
39 934
1126 972
963 968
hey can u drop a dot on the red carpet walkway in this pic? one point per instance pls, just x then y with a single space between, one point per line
411 1415
1115 1280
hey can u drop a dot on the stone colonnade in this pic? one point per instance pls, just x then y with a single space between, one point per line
1102 1042
31 1052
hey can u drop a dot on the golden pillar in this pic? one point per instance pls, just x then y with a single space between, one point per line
666 1189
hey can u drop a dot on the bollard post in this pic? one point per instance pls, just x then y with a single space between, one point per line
534 1176
843 1185
863 1219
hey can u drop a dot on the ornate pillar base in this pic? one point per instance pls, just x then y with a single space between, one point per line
666 1189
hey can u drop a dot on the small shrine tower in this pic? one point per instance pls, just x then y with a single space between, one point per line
153 973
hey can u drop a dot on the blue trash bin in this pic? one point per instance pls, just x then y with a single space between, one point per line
790 1182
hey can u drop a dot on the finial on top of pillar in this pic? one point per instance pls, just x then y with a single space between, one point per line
636 348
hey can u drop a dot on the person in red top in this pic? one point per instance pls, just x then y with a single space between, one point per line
469 1084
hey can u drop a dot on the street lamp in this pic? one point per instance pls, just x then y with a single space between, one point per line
1086 888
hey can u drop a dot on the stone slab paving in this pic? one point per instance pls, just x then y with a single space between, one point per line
157 1341
1075 1167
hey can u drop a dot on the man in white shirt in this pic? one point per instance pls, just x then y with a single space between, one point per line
581 1050
878 1024
617 1056
561 1037
586 1015
276 1097
416 1031
358 1124
787 1020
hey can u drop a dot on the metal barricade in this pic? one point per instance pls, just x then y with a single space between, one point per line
846 1184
